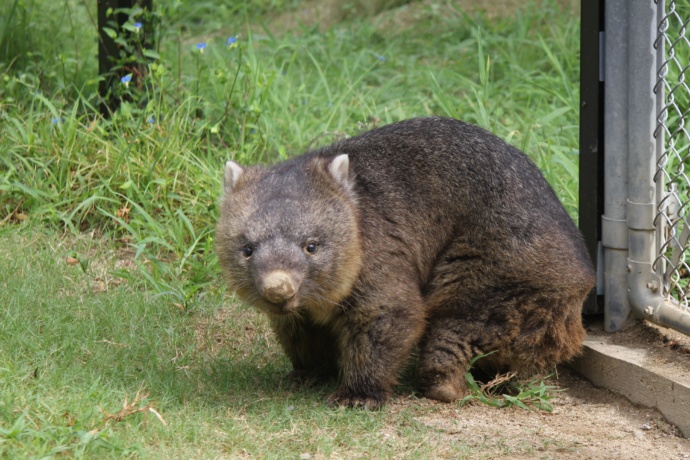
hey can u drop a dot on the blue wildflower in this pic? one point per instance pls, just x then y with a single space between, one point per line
380 57
152 120
126 79
56 121
232 42
138 26
201 47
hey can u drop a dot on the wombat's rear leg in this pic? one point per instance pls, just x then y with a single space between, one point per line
377 336
312 349
447 348
528 328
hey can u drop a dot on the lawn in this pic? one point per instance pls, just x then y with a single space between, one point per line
117 337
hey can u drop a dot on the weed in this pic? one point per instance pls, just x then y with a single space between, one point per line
505 391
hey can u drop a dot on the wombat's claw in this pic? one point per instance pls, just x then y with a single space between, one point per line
344 398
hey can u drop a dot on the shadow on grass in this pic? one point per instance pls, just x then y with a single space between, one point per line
225 383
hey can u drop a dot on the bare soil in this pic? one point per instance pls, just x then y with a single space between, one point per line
586 423
326 13
665 347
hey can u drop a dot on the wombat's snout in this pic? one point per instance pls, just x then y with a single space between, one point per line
279 286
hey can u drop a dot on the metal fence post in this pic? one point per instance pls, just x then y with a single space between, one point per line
642 159
614 221
591 191
645 285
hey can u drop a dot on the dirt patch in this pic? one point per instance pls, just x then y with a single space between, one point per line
587 422
664 347
663 342
326 13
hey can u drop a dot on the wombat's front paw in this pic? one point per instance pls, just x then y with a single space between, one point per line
371 400
447 391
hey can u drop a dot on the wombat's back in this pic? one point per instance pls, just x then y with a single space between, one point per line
438 177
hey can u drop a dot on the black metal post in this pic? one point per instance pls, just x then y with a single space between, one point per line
592 135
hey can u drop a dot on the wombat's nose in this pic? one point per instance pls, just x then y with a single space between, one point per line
279 286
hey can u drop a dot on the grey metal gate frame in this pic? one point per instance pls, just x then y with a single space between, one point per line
644 226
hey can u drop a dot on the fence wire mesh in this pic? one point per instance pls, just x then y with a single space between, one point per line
673 141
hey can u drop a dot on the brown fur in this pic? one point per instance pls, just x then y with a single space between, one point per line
428 232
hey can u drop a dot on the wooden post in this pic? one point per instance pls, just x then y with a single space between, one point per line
109 50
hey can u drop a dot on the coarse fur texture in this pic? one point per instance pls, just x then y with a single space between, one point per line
429 232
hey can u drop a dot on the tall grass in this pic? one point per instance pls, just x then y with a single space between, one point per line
151 173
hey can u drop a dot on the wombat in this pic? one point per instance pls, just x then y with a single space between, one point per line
428 233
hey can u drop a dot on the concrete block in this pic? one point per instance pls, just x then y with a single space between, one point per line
630 371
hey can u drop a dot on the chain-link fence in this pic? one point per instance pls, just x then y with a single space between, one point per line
645 227
673 149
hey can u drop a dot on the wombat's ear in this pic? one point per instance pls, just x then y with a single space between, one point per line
233 171
340 168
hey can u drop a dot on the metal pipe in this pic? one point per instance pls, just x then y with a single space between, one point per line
614 225
644 284
592 154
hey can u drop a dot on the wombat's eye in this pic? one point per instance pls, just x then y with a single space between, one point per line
247 251
311 247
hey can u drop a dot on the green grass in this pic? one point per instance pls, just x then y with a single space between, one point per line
504 390
72 355
136 197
